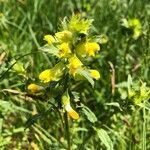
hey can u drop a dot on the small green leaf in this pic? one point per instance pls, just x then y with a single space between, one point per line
114 104
105 139
50 49
76 96
32 120
89 114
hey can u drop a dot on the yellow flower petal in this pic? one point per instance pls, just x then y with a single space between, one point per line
72 113
133 23
74 64
49 39
92 48
46 76
53 74
34 88
95 74
64 50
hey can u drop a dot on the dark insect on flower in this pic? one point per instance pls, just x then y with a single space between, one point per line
81 37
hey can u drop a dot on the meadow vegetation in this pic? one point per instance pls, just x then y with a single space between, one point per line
74 74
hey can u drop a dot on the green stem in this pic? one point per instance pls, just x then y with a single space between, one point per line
144 131
67 133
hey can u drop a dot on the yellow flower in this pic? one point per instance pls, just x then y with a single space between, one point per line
46 75
64 50
66 102
92 48
134 23
64 36
71 112
49 39
53 74
34 88
95 74
74 64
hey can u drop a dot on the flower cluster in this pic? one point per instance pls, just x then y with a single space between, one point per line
140 94
136 92
72 46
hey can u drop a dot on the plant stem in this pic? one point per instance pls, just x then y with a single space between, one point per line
144 131
67 133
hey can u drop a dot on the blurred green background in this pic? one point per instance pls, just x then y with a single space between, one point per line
119 124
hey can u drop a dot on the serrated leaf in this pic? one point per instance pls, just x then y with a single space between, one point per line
89 114
50 49
104 137
86 74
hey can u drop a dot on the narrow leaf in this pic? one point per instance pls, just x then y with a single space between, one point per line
114 104
89 114
32 120
105 139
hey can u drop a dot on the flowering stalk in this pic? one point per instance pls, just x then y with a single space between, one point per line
72 46
66 98
67 132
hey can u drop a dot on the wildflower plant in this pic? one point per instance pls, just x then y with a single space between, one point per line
134 25
136 92
72 47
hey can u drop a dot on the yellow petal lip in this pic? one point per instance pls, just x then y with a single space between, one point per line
74 64
49 39
64 50
92 48
34 88
88 48
95 74
71 112
53 74
46 76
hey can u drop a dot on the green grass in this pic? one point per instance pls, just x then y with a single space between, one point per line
119 123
